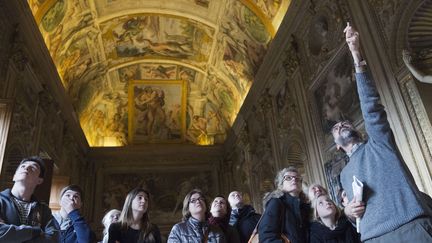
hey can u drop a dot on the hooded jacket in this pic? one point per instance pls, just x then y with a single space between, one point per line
74 229
42 228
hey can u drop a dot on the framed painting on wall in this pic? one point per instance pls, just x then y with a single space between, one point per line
157 111
333 169
335 94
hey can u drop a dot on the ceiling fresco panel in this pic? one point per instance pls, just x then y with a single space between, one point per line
35 5
104 118
163 37
268 7
210 113
243 45
122 63
200 9
158 71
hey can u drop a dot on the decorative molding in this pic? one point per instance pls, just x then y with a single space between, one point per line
243 137
320 35
422 127
5 119
291 61
418 36
6 31
385 12
420 113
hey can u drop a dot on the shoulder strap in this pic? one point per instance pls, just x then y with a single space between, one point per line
256 226
206 234
282 215
206 238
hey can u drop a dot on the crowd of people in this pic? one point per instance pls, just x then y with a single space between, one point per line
391 209
24 219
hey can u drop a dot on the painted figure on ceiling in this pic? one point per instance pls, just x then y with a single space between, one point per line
149 101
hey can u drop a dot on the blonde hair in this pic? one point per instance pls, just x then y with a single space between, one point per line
278 182
315 215
107 217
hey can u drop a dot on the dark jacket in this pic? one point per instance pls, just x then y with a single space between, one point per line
42 226
118 234
245 221
193 231
231 234
344 233
284 214
75 230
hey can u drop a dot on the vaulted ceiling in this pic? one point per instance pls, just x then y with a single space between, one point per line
157 71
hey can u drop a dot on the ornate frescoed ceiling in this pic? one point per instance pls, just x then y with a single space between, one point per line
157 71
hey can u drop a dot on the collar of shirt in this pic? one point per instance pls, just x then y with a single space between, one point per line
354 148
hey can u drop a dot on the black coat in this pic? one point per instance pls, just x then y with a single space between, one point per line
284 214
344 233
247 220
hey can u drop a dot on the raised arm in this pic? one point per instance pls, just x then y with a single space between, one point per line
374 115
82 229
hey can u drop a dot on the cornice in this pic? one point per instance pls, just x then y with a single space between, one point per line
160 151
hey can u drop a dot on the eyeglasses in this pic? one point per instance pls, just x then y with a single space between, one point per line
290 178
194 200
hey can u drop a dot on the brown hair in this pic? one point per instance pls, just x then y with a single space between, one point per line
186 213
74 188
126 216
228 206
38 160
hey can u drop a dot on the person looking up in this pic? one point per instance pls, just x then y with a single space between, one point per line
23 218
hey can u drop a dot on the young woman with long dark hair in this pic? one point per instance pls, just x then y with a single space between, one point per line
134 225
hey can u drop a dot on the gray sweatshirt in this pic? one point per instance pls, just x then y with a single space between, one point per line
391 196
